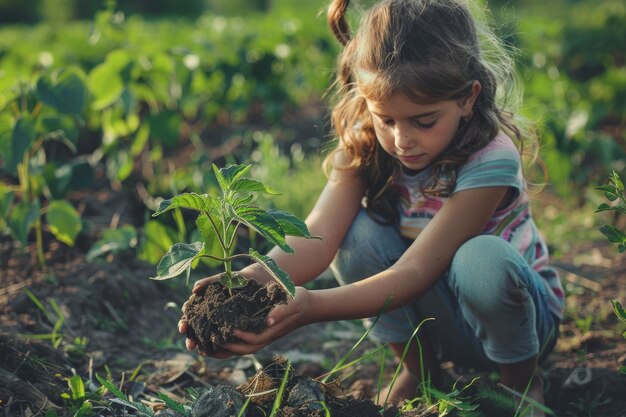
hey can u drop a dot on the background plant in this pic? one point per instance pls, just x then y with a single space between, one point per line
614 192
35 117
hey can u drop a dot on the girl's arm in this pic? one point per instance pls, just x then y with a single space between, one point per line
329 219
462 217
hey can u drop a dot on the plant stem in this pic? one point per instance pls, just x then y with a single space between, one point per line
40 256
218 233
215 229
233 235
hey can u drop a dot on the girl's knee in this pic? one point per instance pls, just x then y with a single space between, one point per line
479 249
485 270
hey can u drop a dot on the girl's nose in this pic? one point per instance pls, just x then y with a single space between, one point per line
403 138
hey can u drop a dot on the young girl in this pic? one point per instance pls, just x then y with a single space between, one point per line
426 204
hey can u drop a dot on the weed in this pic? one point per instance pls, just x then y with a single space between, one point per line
614 192
56 318
80 401
588 404
621 316
141 408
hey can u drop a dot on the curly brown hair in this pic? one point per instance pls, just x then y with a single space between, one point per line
429 50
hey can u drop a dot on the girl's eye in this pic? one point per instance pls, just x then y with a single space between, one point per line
388 122
424 125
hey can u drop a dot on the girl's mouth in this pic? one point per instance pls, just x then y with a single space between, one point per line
411 159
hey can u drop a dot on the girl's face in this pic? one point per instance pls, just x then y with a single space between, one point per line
417 134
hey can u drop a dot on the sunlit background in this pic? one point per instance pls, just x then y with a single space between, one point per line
145 95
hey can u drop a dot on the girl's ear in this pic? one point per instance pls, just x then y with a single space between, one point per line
467 104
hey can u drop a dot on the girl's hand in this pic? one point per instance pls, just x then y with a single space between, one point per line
281 320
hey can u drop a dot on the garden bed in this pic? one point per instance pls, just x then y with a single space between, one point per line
116 324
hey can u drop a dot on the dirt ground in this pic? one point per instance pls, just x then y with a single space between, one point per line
119 324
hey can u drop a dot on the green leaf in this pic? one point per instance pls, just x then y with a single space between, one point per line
209 236
619 311
604 207
227 175
616 181
60 128
114 241
292 225
106 81
613 234
77 387
22 219
274 270
174 405
119 165
112 388
64 221
199 202
157 239
142 408
65 90
86 409
178 259
610 192
265 224
24 135
165 127
7 196
249 185
6 136
614 189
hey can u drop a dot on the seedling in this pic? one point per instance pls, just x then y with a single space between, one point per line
621 316
219 219
614 192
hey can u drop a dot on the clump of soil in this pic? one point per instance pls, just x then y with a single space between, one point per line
301 396
214 312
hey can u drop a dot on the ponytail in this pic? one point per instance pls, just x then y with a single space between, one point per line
337 20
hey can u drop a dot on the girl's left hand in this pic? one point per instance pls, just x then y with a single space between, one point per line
281 320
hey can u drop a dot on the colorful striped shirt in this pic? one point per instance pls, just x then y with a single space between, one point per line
498 164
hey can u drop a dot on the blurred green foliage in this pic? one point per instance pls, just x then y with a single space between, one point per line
61 11
575 86
167 97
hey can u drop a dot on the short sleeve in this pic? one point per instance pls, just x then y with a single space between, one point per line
497 164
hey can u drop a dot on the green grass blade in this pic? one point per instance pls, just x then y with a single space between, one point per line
39 305
281 391
242 412
404 353
356 345
380 375
531 401
357 360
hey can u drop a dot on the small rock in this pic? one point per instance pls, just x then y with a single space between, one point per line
306 391
218 401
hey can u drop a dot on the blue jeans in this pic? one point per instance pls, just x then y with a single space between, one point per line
489 307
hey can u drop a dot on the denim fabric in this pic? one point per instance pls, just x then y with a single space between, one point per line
489 308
